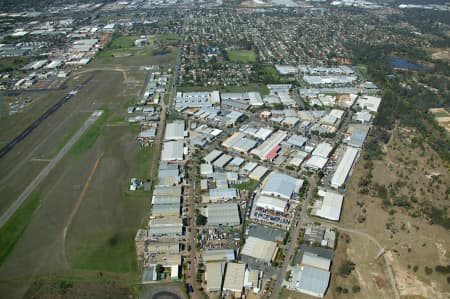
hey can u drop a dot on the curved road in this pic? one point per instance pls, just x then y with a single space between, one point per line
303 217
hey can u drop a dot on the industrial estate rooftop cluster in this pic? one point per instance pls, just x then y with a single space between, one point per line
255 157
239 171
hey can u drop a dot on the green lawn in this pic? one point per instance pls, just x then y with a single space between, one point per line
167 39
249 185
122 42
69 134
242 56
11 232
143 160
106 251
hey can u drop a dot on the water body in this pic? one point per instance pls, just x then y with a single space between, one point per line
401 63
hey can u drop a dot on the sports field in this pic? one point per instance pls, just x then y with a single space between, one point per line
242 56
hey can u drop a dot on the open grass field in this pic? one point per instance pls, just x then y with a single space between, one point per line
242 56
164 40
100 238
415 178
368 279
13 230
8 64
121 52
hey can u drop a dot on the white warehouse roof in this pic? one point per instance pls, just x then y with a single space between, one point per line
234 277
344 167
313 281
258 173
259 249
212 156
173 151
322 150
331 206
270 203
314 260
216 255
316 162
175 130
214 275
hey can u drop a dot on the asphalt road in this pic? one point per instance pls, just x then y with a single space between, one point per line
291 245
44 172
8 147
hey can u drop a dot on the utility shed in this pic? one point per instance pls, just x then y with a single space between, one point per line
226 214
214 276
234 279
312 281
344 167
260 249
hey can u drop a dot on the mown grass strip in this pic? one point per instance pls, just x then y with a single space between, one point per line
88 139
13 230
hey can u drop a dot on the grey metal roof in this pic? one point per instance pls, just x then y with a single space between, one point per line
359 135
314 280
223 214
222 161
172 150
174 130
163 199
222 193
235 104
166 209
282 185
167 190
297 140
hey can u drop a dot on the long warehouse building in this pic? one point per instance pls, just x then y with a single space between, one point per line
344 167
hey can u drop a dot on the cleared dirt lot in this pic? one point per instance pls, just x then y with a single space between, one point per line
414 178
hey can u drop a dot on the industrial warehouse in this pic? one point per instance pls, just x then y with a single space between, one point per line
253 171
